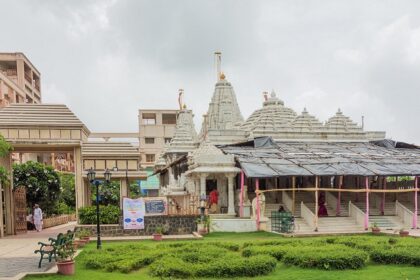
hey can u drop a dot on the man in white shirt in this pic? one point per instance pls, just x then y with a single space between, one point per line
38 218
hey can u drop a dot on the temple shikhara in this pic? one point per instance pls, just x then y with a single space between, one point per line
331 176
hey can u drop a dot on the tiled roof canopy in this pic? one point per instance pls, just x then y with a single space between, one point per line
112 149
39 115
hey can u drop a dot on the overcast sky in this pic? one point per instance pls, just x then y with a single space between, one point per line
107 59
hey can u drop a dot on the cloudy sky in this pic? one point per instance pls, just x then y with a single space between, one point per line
107 59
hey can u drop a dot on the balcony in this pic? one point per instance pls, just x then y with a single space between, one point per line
28 78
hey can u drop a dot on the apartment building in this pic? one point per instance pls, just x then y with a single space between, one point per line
156 128
20 81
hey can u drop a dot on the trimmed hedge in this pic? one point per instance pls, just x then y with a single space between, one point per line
223 266
327 257
397 255
109 214
180 260
276 252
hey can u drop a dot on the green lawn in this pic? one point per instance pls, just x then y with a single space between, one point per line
370 271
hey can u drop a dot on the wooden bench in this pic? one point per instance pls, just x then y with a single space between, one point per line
48 250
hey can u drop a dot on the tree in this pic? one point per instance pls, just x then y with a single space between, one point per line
67 198
135 191
5 147
42 184
109 194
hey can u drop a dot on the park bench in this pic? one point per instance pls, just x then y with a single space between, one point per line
48 250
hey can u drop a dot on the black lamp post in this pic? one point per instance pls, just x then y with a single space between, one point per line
91 177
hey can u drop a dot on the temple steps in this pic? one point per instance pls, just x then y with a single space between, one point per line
386 222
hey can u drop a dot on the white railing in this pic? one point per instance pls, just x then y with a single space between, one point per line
405 215
287 201
357 214
307 215
331 200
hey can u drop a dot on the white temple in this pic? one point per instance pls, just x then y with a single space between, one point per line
192 165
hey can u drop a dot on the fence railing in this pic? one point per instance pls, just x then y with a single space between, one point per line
184 206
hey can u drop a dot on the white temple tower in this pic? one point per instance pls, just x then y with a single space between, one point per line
224 117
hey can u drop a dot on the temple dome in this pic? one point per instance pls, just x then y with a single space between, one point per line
305 121
341 122
271 118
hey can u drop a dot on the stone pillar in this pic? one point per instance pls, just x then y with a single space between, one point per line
222 189
203 177
78 180
123 191
9 213
231 195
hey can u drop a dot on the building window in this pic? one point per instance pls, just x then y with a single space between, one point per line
149 118
168 140
149 140
150 158
168 118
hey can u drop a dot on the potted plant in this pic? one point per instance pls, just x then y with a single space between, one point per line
375 229
203 226
65 261
403 232
157 236
83 235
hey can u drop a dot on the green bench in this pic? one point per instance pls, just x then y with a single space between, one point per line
49 250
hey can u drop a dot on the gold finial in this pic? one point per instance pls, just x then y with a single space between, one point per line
222 76
184 106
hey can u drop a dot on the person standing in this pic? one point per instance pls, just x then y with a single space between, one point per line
38 218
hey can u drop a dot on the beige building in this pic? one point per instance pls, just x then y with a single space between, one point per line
52 134
156 128
20 81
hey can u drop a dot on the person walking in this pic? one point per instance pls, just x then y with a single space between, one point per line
38 218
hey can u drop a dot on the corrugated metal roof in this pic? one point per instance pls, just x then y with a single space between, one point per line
324 159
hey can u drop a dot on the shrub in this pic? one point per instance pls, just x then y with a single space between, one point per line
108 215
396 255
231 266
41 182
326 257
223 266
276 252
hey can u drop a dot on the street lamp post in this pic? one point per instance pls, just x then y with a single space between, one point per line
91 177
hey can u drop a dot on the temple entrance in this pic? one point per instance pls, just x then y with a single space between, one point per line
19 197
211 184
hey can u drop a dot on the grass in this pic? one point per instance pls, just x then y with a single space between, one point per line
370 272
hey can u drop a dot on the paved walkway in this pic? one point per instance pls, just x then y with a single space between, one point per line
17 251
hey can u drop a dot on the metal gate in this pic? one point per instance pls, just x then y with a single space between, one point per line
19 196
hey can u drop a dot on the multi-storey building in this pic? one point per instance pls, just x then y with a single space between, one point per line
20 81
156 129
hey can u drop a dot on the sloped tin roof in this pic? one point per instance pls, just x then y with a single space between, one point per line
274 159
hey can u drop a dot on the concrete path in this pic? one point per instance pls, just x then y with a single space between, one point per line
17 251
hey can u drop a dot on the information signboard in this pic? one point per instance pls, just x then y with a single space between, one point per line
156 206
134 210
